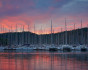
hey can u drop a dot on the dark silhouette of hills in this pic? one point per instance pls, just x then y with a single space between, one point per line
78 36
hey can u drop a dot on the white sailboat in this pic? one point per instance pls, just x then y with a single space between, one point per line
74 43
34 41
66 47
52 47
62 39
82 46
2 44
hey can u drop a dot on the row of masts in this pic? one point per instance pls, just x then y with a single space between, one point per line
82 37
21 28
35 37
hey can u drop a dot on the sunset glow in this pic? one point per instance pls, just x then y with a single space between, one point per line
40 12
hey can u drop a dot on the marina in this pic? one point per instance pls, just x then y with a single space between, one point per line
43 34
74 40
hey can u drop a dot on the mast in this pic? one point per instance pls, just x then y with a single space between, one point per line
16 36
11 35
3 28
23 35
53 41
23 28
74 26
78 42
58 39
2 34
51 33
65 32
21 38
11 28
46 38
82 39
28 35
62 37
81 23
34 35
41 37
74 33
16 27
87 34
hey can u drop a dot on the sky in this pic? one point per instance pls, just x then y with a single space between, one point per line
39 13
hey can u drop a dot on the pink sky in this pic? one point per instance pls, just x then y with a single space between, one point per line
40 13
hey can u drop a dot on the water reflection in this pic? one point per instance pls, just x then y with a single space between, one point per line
37 60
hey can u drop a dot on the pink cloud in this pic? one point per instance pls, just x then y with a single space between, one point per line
44 19
1 4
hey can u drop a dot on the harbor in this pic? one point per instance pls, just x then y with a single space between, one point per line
73 40
43 34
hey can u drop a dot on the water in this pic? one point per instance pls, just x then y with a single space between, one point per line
43 60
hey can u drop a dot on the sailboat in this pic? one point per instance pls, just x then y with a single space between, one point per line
83 46
66 47
11 45
62 38
52 47
35 47
40 41
2 44
74 43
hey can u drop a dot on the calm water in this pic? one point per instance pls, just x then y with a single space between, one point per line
37 60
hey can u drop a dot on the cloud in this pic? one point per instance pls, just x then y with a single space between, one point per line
75 7
0 4
40 13
15 7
